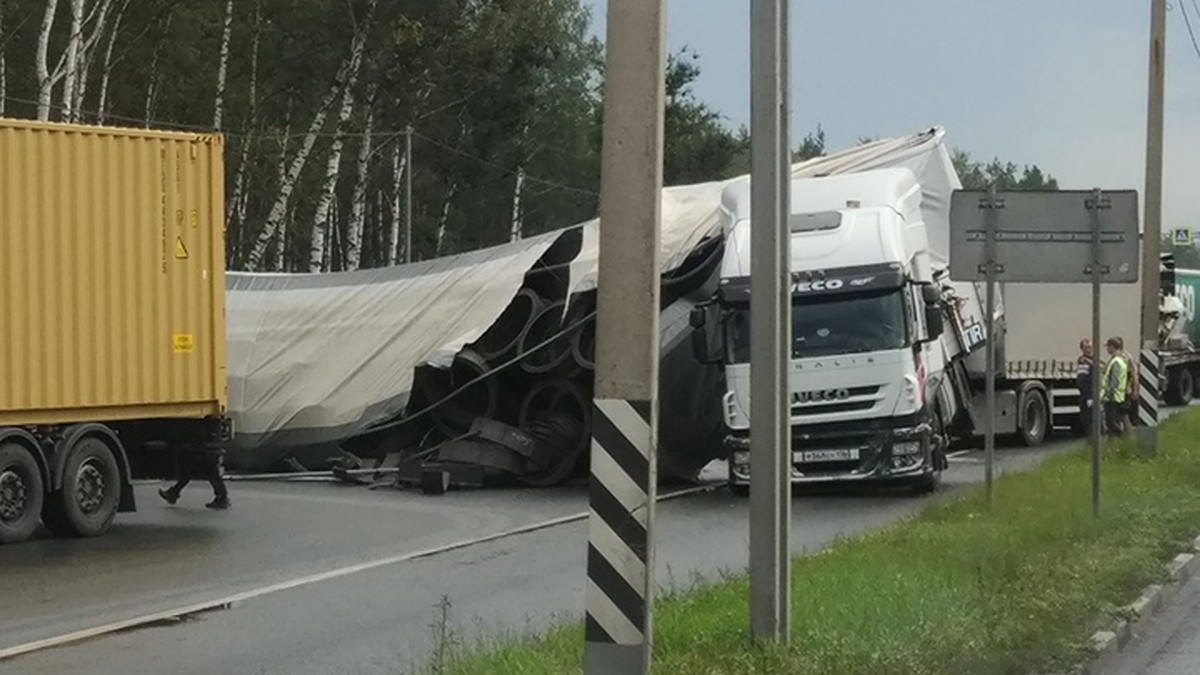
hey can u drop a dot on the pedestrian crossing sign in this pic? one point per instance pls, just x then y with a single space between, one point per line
1183 236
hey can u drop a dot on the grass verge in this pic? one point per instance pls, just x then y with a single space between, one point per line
956 589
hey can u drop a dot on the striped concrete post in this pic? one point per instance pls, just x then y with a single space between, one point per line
618 563
620 556
1150 388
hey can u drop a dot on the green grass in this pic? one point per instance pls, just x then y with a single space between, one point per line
956 589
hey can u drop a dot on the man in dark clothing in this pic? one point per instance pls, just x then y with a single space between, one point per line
1084 367
207 463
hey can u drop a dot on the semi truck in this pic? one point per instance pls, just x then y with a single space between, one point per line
112 338
888 354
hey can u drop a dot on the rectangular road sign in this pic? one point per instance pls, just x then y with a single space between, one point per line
1044 237
1182 236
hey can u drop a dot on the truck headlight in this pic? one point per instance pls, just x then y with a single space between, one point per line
906 448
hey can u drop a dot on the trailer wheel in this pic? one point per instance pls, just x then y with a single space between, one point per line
1182 387
1035 417
91 491
21 493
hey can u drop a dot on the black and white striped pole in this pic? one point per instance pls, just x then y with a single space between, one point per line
620 559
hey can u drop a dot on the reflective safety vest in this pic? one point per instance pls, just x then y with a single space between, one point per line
1116 379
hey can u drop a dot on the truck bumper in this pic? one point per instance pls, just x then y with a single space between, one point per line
838 455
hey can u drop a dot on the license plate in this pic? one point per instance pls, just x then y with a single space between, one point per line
814 456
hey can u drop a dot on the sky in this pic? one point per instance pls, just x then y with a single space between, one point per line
1057 83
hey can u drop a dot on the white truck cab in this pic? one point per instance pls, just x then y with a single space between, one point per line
866 320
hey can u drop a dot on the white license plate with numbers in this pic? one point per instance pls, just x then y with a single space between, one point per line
814 456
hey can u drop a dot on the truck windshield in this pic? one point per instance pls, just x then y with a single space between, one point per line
831 325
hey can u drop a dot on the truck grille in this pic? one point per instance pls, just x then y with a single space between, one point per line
856 399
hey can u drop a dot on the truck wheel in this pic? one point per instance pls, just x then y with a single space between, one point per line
21 493
1035 418
1182 387
87 503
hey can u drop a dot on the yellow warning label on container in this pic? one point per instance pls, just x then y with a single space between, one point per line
181 252
183 343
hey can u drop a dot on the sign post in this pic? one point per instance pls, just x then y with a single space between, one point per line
620 558
1045 237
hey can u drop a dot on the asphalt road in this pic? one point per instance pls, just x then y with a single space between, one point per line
375 620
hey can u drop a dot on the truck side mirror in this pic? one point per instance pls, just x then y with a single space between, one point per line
707 337
935 323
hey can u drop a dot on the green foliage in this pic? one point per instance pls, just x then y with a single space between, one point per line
958 589
1006 176
699 146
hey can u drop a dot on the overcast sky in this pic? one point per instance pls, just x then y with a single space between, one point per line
1059 83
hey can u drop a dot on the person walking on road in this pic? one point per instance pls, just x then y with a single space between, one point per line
1084 367
206 463
1115 387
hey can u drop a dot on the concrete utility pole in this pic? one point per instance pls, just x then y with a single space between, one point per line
620 562
771 325
1149 372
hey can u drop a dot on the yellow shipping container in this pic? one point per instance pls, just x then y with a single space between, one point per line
112 274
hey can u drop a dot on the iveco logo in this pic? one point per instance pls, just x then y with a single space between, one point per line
820 396
817 286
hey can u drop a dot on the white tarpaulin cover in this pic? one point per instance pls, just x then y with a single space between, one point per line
316 359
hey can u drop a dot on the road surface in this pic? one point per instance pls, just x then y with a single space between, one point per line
329 579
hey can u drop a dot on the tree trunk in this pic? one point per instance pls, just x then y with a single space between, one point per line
45 78
223 67
74 47
445 217
102 107
399 166
152 86
518 225
236 210
358 212
279 210
320 228
3 62
87 55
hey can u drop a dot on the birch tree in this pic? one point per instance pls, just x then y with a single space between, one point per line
399 167
358 211
102 106
3 61
223 67
287 184
46 79
518 229
318 258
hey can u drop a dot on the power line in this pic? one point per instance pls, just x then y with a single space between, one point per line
534 179
388 136
1188 21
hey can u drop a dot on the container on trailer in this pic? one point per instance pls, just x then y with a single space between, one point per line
111 275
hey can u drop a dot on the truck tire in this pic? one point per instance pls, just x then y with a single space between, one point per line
1182 386
1034 421
91 491
21 493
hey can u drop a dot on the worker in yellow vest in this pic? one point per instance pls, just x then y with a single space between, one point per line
1115 387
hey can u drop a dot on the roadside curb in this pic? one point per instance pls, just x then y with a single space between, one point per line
1107 643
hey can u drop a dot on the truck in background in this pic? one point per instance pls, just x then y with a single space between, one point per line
888 353
112 344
